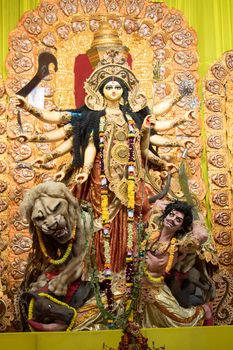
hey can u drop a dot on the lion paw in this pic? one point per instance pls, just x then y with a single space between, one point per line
57 287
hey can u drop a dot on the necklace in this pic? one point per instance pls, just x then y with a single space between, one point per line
115 116
51 260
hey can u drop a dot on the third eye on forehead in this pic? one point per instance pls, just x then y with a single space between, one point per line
112 84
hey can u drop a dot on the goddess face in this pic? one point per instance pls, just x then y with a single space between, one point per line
113 91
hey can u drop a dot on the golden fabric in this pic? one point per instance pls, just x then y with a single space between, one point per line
157 306
160 309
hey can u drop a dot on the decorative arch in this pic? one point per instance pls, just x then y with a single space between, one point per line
218 94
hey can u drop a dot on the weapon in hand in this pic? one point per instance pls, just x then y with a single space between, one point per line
44 60
183 180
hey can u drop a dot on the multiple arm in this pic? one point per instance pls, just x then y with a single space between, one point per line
52 117
59 151
50 136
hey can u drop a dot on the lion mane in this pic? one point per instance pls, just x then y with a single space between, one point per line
49 189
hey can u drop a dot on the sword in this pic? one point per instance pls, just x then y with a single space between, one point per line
44 60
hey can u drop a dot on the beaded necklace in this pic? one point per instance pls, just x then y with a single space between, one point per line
51 260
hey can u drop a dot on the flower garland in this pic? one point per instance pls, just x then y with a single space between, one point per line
113 320
172 249
130 213
130 260
105 220
51 260
56 301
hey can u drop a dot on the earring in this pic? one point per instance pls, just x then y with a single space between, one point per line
122 102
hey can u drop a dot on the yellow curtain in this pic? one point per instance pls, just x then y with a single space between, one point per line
213 22
10 13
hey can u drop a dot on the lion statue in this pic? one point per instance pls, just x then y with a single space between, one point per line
54 284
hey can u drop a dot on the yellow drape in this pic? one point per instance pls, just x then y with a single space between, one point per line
212 20
10 13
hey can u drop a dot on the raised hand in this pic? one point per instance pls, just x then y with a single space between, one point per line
19 101
23 138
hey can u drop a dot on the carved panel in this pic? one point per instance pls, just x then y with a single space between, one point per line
33 24
69 7
220 180
222 218
215 122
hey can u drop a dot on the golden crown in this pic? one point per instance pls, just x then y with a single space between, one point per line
109 57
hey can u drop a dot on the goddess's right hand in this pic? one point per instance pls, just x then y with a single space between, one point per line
18 100
23 138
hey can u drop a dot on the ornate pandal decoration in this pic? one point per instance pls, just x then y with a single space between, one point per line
66 254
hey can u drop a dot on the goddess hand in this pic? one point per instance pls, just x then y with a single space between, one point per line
23 138
81 178
188 117
149 121
39 162
19 101
171 167
59 176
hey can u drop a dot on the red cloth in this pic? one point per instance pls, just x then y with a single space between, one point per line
82 71
71 288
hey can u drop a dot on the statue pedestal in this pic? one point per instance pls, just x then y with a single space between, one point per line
200 338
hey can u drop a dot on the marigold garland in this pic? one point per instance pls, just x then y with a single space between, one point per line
130 268
56 301
172 249
114 320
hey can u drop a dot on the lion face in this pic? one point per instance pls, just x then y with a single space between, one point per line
50 216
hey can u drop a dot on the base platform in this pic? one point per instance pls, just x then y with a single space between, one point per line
200 338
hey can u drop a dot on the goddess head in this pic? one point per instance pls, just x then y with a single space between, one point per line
114 89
